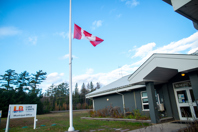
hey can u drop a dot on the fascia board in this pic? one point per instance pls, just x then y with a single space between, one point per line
115 91
160 58
179 3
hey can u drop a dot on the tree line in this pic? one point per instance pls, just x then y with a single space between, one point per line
23 88
56 97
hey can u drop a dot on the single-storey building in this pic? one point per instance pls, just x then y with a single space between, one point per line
165 85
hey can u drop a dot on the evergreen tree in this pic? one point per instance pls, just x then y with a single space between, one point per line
76 96
88 87
50 95
9 78
50 91
37 79
91 86
23 81
76 92
62 92
97 85
83 93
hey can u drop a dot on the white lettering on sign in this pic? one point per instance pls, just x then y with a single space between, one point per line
182 84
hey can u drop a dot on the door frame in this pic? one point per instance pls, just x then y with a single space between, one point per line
190 104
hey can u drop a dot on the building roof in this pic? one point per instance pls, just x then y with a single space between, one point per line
158 68
186 8
119 85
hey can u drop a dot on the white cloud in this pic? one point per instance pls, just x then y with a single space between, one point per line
63 34
190 43
32 40
53 78
9 31
89 71
104 78
144 50
96 24
193 50
186 45
131 3
67 56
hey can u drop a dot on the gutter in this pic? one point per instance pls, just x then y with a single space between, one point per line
114 90
122 102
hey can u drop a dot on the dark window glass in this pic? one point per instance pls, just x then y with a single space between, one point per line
185 112
145 100
196 111
192 95
146 107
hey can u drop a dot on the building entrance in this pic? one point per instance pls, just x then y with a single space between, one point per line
186 104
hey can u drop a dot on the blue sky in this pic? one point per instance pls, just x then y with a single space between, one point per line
34 36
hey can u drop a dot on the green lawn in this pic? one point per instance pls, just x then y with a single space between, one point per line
62 123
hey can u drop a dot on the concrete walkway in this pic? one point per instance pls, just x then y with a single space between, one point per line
164 127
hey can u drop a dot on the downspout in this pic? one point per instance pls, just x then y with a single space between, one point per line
92 102
122 102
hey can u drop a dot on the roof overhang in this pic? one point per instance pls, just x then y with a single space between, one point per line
159 68
160 75
115 90
186 8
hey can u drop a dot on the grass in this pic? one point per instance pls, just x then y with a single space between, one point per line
62 123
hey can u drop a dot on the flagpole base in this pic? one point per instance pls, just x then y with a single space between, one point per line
71 129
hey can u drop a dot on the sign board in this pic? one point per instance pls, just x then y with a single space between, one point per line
22 111
182 84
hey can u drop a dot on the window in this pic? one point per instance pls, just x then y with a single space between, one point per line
145 103
144 99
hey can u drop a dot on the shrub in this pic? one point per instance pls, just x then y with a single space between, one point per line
78 106
84 106
110 111
136 114
92 113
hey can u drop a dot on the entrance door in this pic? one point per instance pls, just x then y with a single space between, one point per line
186 104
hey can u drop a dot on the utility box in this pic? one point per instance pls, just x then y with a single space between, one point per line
160 107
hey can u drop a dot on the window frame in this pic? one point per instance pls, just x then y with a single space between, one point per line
144 103
156 95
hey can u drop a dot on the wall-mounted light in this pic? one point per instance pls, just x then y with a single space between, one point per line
107 99
182 74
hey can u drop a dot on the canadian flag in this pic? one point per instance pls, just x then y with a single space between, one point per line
79 33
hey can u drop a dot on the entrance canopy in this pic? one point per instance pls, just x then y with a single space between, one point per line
159 68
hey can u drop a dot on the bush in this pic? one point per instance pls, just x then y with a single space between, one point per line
110 111
92 113
136 114
84 106
78 106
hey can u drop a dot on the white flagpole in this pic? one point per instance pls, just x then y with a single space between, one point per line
71 128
